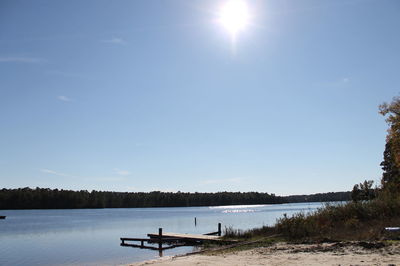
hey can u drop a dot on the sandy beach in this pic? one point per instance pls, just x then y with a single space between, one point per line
353 253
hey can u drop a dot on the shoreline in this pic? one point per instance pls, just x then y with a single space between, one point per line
343 253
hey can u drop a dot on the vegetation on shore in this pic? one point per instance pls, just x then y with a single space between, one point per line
44 198
365 218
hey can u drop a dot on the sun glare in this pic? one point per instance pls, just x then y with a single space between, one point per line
234 16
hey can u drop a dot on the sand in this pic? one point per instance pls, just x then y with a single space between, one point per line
349 253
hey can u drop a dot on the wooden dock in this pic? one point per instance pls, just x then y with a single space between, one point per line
188 237
172 240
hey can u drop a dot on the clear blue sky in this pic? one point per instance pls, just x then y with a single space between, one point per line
145 95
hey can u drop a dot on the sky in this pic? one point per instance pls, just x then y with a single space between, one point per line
143 95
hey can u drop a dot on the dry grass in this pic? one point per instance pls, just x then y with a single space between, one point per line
350 221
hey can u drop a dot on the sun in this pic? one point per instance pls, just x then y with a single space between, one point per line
234 16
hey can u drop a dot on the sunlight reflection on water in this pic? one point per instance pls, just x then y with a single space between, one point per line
239 206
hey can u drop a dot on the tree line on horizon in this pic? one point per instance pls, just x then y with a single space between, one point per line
46 198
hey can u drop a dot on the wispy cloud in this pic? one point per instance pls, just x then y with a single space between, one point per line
51 172
139 144
64 98
110 179
66 74
121 172
115 40
222 181
20 59
343 81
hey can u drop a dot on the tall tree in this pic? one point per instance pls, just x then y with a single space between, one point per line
391 156
363 191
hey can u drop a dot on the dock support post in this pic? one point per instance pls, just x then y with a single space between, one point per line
219 229
160 238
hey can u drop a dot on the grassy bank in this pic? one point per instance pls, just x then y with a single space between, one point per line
349 221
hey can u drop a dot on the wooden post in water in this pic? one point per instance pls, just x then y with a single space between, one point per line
160 239
219 229
160 251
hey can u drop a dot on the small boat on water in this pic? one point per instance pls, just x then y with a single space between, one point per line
2 217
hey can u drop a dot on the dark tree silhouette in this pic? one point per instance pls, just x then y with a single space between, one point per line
45 198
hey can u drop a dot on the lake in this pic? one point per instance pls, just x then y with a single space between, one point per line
92 236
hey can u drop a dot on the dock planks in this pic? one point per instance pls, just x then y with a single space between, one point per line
190 237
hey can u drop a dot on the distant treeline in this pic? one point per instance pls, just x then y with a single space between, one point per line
320 197
45 198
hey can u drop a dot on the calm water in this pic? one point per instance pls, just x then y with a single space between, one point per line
91 236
